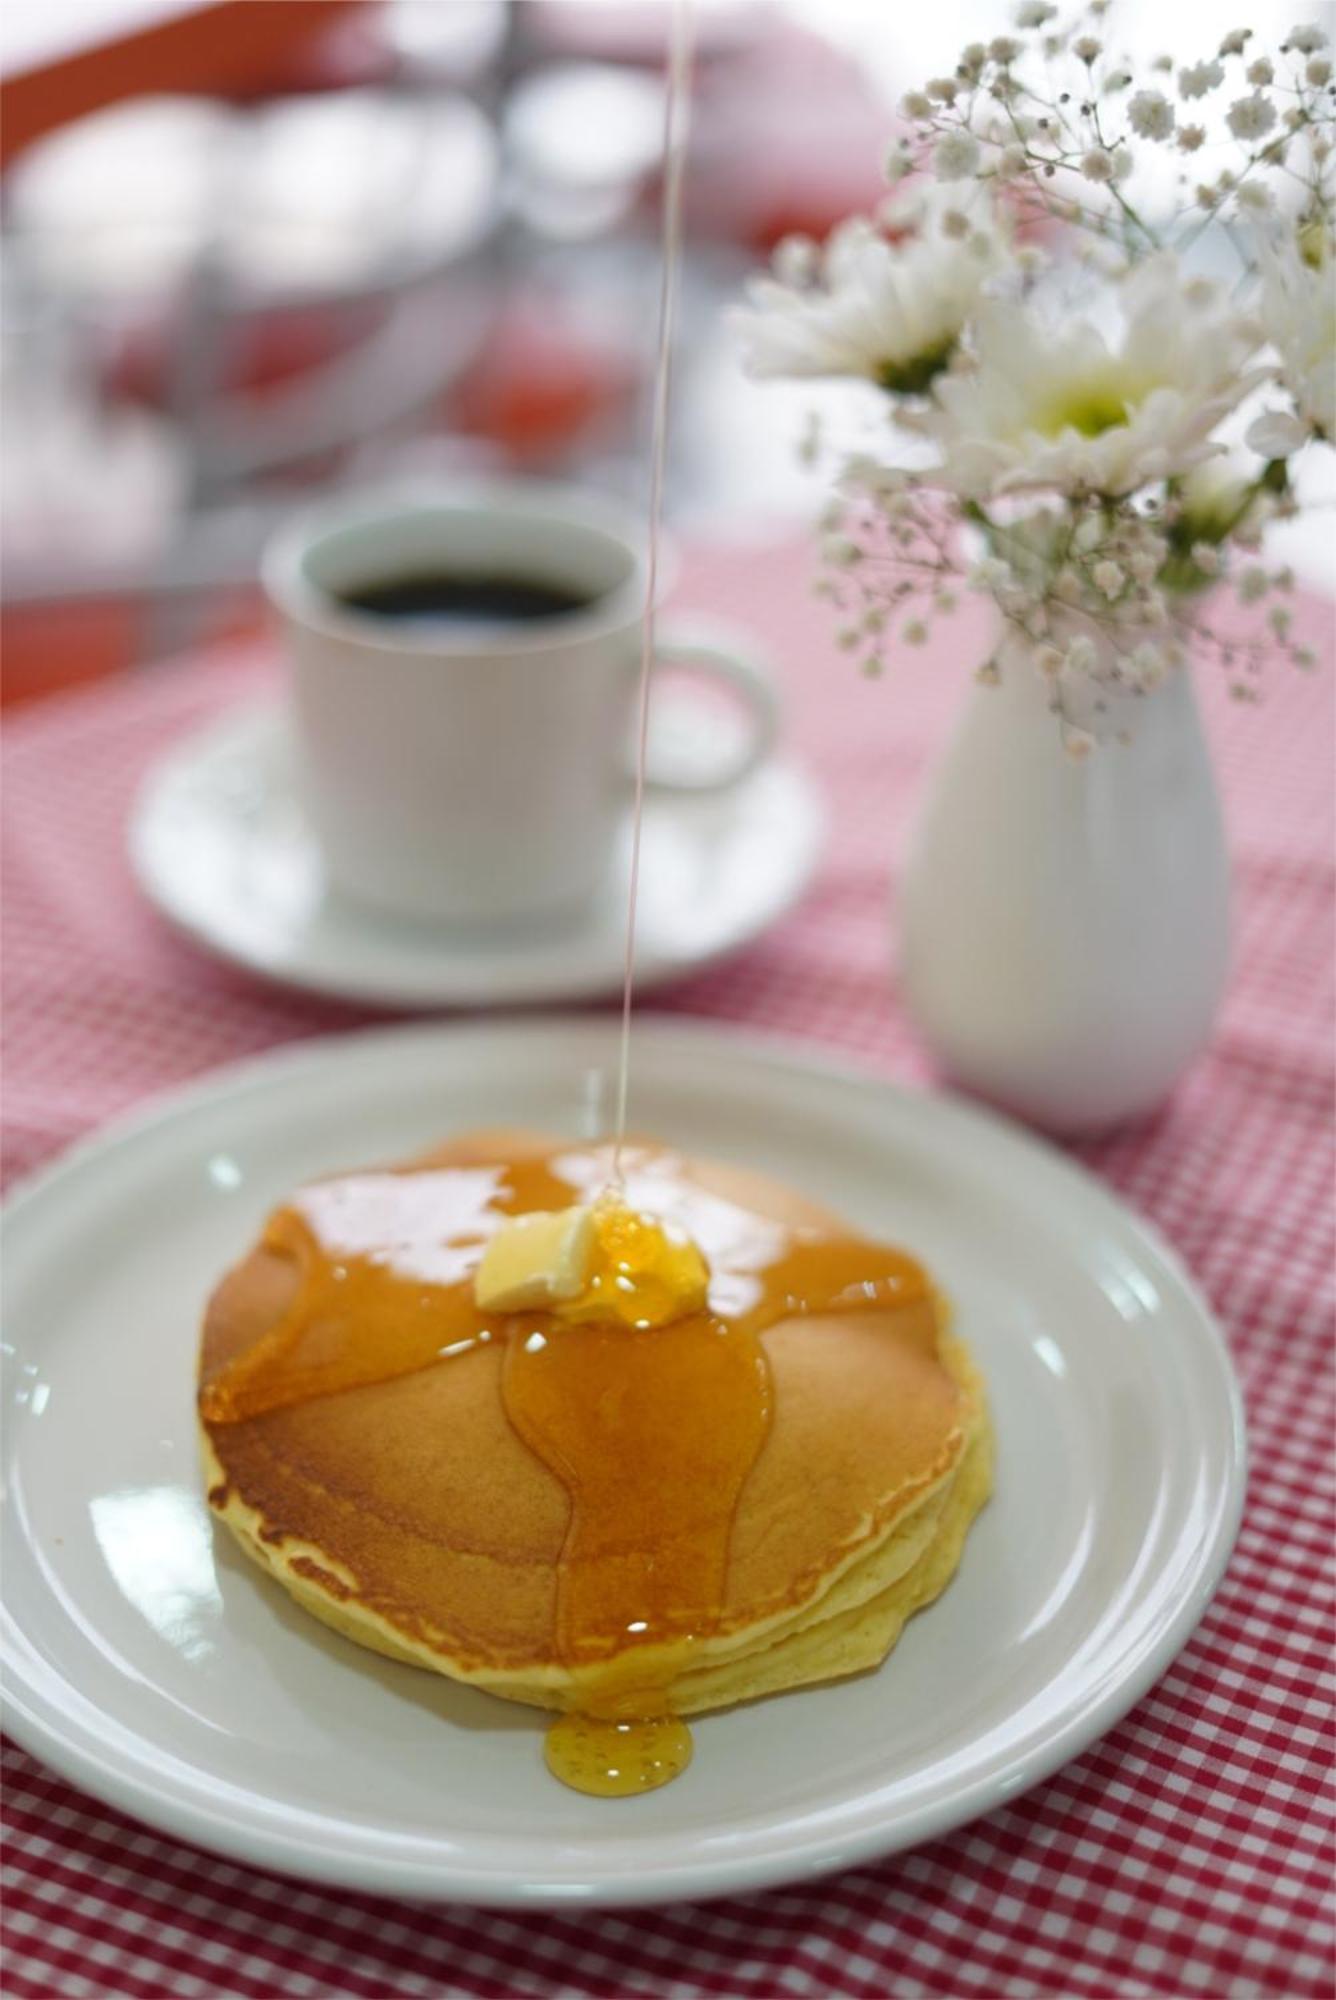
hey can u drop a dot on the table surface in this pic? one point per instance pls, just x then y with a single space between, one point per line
1190 1850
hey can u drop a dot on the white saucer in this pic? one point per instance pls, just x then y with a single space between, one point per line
219 843
150 1663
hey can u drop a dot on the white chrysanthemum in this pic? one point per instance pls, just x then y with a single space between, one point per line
889 311
1299 312
1058 407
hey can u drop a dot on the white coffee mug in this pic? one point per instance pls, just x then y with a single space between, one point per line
477 777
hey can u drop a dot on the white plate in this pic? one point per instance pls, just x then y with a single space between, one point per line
219 843
154 1666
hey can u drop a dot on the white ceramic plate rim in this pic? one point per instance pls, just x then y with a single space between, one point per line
472 975
199 1807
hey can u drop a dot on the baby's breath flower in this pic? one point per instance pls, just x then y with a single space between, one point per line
1253 583
1235 42
955 156
1251 117
916 104
1151 114
1082 653
1005 48
1097 164
1280 618
1198 78
1256 197
1306 37
944 88
1190 137
1206 557
1049 659
1318 71
956 224
972 58
1086 49
1108 577
1034 13
1010 162
899 161
915 632
1260 72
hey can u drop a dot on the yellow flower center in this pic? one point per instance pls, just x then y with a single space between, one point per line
1090 408
1314 243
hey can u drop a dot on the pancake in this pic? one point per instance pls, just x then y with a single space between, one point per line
412 1515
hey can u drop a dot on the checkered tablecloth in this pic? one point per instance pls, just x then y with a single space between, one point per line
1187 1853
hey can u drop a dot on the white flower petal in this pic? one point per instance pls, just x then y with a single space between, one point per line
1276 433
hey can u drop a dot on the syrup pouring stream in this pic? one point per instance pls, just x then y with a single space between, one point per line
676 119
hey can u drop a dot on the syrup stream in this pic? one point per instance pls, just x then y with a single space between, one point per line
676 119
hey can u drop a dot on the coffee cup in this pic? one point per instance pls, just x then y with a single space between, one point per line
465 663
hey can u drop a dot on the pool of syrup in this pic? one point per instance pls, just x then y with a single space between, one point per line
652 1429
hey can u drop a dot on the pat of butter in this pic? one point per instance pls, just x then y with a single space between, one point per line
537 1260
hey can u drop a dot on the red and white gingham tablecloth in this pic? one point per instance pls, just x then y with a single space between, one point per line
1189 1852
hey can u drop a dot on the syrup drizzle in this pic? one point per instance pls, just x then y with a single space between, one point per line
676 121
652 1431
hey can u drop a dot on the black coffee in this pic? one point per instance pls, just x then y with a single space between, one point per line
475 598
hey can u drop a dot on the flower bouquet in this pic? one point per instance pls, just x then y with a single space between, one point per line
1098 306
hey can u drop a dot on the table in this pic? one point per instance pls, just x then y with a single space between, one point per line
1190 1851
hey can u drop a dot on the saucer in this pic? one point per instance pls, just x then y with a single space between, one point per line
219 843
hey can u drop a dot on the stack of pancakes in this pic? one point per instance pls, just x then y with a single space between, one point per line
410 1516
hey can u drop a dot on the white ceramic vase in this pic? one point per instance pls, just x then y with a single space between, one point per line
1064 924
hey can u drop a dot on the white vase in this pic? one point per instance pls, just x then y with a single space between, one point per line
1064 924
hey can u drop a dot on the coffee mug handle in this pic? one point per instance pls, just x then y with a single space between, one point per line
713 656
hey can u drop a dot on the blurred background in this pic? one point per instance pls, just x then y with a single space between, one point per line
255 247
